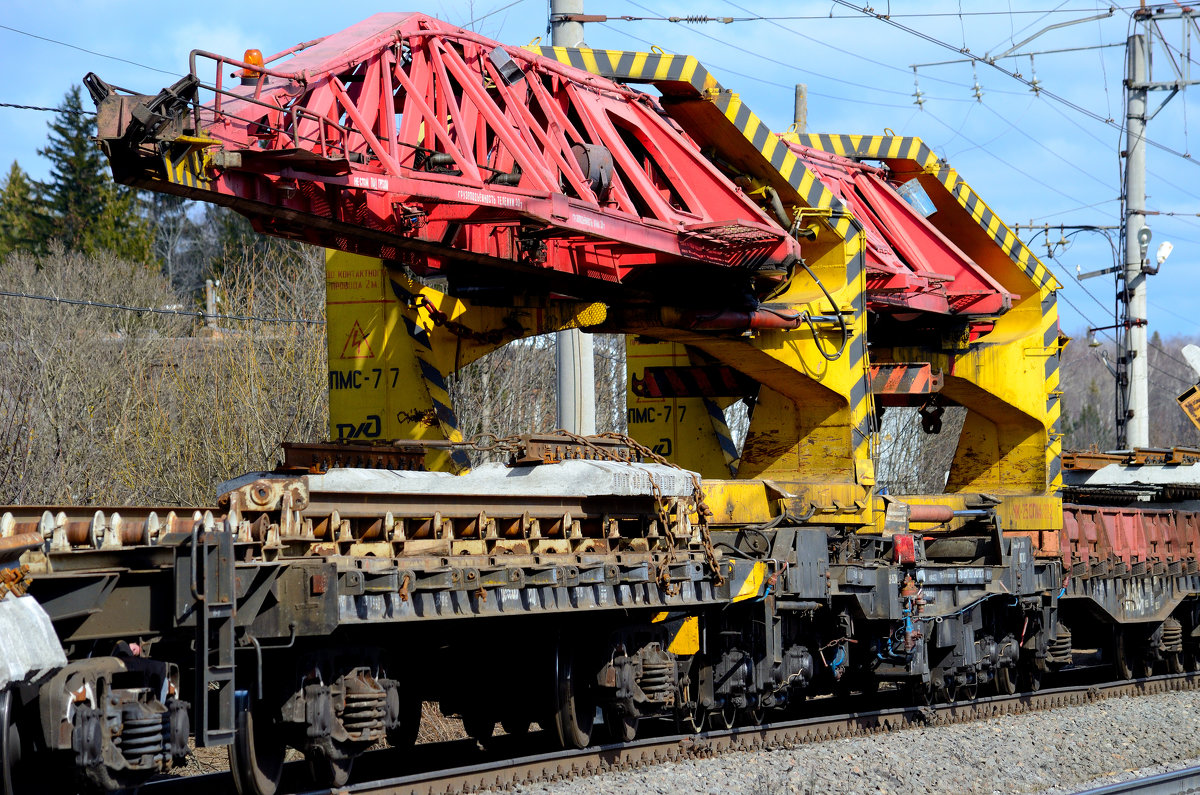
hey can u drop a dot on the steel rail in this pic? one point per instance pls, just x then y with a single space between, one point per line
656 750
559 765
1172 783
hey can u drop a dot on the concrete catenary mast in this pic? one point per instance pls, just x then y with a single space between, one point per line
576 369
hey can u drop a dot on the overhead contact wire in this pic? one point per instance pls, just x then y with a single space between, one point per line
161 310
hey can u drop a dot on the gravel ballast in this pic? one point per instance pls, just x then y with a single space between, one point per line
1051 752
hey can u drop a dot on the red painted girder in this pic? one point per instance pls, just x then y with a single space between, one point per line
907 256
398 123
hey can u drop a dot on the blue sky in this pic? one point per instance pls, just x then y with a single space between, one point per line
1031 157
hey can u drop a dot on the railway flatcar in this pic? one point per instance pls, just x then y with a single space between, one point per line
479 194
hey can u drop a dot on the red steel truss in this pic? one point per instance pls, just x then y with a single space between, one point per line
404 134
413 140
911 265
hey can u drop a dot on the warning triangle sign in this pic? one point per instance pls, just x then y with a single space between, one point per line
357 346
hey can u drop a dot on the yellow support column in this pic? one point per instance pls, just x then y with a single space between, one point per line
393 344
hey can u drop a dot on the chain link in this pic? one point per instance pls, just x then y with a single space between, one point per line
490 443
703 512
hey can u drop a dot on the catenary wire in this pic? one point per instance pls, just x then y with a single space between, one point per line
1007 164
719 66
89 52
725 70
925 15
851 53
1014 33
160 310
1072 210
492 13
795 68
79 112
1167 354
1009 73
1169 374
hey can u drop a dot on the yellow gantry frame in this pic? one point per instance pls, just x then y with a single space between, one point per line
810 445
1009 379
394 342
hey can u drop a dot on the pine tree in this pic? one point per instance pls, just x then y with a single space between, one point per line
89 212
23 224
121 227
75 194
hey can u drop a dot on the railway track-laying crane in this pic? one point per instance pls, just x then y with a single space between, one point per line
471 194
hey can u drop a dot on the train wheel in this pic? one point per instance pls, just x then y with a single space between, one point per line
326 771
1006 681
947 689
722 719
256 755
1137 662
10 743
1121 657
574 704
970 691
1031 678
621 728
404 734
921 693
695 721
757 716
1174 662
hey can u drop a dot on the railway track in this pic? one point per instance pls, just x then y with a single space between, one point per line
499 773
1176 782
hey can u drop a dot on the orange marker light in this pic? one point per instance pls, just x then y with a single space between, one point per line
254 57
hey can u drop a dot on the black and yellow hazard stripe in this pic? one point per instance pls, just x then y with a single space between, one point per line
911 149
684 75
187 166
724 436
884 147
682 631
862 401
1051 340
747 580
636 67
439 391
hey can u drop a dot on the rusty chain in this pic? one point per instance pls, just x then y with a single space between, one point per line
663 573
703 512
14 580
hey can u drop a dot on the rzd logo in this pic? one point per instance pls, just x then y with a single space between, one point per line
367 430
